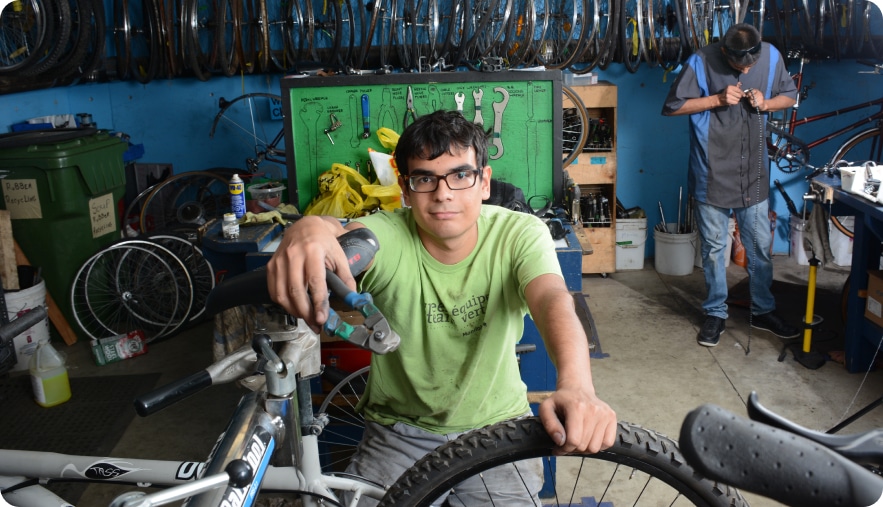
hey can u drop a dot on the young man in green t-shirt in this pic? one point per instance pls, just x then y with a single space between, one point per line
454 278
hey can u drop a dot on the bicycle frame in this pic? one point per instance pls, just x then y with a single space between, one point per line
264 432
792 122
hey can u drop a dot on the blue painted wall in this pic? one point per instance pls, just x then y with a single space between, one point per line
172 118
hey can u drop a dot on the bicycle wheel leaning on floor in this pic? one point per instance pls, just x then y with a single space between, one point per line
642 466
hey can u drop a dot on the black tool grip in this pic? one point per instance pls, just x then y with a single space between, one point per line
774 463
359 245
169 394
250 288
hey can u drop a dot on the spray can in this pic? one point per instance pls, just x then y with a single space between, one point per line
237 196
49 376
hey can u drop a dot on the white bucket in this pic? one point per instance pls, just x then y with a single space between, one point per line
841 244
728 251
674 252
798 253
18 303
631 235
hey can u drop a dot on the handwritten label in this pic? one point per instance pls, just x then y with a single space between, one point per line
103 215
22 199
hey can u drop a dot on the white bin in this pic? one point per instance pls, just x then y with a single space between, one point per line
674 252
631 235
17 304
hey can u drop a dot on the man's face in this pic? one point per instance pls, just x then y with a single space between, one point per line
446 215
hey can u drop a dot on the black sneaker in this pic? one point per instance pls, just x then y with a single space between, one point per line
711 331
772 323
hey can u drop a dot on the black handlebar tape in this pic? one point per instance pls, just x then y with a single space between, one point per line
169 394
22 324
788 202
774 463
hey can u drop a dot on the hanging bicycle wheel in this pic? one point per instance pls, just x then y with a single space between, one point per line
343 432
642 468
253 121
131 285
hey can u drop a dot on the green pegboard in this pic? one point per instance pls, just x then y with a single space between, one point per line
526 149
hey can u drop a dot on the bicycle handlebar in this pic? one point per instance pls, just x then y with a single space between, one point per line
22 324
774 463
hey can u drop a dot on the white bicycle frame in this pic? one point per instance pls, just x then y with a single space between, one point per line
264 432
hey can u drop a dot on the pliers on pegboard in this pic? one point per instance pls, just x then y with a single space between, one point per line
373 334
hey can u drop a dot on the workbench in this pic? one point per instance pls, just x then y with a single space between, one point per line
861 336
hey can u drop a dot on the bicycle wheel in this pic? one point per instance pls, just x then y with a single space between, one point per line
567 30
256 121
327 25
631 28
201 51
518 40
575 129
51 48
343 432
641 466
864 146
202 275
186 199
131 285
23 28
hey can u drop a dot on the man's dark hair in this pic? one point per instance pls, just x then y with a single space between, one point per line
742 44
432 135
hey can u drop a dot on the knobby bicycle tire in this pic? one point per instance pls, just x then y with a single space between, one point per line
52 47
637 449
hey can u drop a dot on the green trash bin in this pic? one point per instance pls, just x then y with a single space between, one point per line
62 190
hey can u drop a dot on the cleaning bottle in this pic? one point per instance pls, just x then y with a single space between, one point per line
49 376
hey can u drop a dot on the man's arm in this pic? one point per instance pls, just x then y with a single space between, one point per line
296 272
730 96
589 424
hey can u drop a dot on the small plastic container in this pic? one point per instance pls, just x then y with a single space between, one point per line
269 194
49 376
230 227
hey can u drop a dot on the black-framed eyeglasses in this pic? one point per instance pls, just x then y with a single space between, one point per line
457 180
739 53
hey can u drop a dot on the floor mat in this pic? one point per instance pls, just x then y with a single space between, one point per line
90 423
791 306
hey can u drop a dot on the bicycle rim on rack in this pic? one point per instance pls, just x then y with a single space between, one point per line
642 466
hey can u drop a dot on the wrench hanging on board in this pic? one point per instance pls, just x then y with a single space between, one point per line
459 98
499 107
477 94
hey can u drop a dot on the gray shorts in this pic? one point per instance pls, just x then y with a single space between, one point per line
385 452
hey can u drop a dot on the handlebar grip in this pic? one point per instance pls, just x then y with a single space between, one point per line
22 323
776 464
160 398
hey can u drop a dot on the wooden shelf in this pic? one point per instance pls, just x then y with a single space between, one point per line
595 172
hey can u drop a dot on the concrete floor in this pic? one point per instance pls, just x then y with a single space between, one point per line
654 374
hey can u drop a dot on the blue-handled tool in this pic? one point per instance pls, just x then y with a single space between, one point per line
366 116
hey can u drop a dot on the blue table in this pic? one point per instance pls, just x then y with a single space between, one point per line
861 336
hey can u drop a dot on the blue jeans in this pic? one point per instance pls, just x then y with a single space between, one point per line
754 227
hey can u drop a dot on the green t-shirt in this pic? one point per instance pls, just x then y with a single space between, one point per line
456 367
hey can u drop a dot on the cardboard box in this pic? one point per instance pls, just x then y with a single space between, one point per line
874 306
